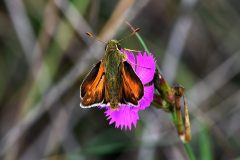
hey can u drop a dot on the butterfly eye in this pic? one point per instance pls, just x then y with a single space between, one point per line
118 46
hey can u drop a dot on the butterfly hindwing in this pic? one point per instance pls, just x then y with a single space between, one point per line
92 88
131 84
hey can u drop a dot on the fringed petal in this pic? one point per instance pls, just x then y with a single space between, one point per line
145 67
126 116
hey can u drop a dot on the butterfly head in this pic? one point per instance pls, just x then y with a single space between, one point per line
112 45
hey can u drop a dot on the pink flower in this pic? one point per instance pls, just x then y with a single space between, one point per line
126 115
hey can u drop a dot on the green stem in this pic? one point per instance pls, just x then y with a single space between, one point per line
187 147
189 152
142 42
174 117
145 47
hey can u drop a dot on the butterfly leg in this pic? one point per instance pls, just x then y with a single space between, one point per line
131 50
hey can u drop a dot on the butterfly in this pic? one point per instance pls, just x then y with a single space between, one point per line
112 81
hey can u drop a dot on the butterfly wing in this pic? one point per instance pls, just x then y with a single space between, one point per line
92 88
131 84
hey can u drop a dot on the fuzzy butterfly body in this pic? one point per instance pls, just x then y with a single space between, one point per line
112 81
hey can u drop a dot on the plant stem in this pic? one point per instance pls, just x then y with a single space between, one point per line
189 152
187 147
145 47
142 42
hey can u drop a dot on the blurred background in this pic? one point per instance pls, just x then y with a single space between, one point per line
45 54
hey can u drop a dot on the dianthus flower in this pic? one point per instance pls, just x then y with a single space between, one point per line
126 115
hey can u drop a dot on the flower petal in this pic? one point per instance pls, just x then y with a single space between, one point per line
130 58
124 117
147 98
145 67
127 115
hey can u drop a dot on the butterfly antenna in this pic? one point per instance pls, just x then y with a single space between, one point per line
131 34
90 35
129 24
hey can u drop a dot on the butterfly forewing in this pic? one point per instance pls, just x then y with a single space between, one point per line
88 81
92 88
131 84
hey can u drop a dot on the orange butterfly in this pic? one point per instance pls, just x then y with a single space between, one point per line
112 81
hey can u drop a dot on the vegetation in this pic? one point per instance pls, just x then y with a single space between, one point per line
45 54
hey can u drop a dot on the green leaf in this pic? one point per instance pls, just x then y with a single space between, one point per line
205 144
